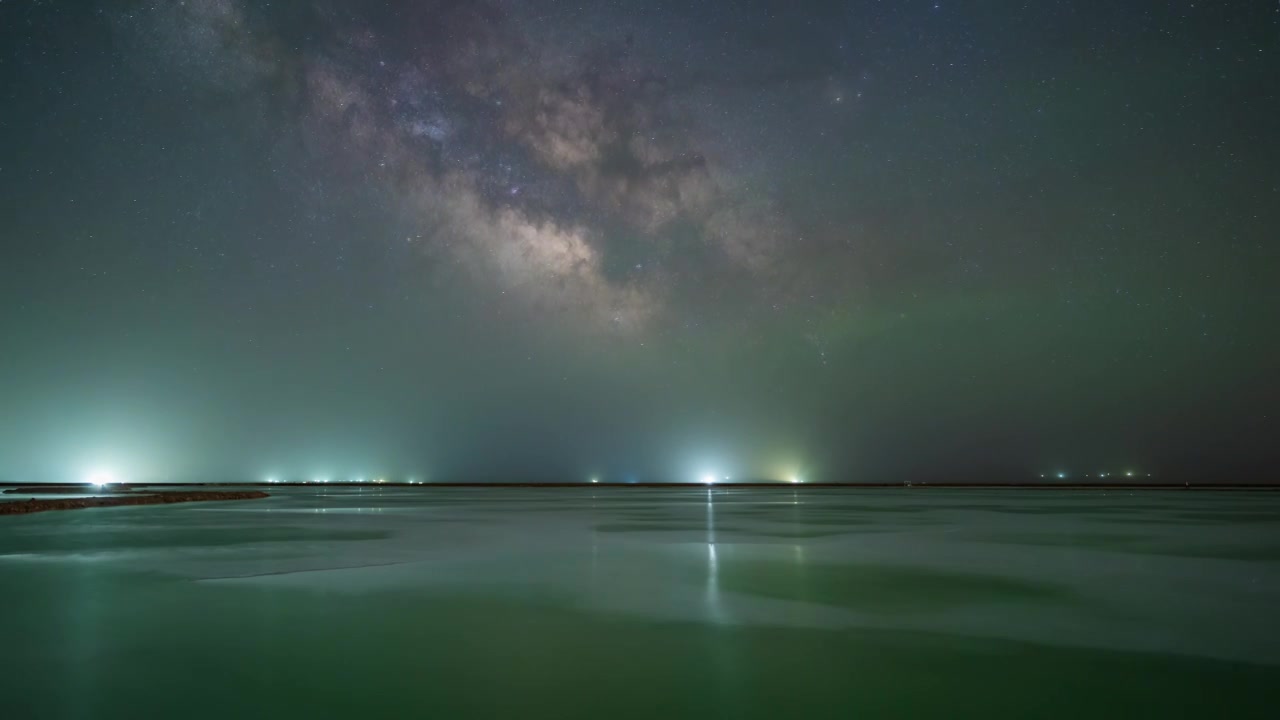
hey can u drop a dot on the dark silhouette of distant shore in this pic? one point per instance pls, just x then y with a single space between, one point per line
52 488
119 498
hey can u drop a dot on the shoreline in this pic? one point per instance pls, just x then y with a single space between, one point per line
79 489
27 507
58 488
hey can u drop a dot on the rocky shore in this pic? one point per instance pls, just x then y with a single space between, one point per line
24 507
70 489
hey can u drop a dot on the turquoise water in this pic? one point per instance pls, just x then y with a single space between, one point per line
623 602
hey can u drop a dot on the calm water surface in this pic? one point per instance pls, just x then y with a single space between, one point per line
625 602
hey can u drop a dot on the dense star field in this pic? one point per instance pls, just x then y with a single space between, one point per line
639 241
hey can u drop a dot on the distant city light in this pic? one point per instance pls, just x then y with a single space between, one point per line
272 479
595 480
100 476
794 478
709 479
1062 476
1129 474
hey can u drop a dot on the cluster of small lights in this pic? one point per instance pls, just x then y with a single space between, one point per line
319 479
102 476
1128 473
709 478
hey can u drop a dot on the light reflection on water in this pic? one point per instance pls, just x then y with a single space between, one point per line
1188 573
743 603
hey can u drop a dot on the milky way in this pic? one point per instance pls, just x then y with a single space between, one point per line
555 175
859 239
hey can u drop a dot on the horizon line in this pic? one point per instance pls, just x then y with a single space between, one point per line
773 484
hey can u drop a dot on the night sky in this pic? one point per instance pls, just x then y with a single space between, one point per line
855 241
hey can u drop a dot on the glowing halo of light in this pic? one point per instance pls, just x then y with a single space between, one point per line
100 476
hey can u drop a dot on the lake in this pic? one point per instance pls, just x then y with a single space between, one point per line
616 602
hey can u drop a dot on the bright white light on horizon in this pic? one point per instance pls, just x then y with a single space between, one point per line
795 478
1062 475
100 476
595 480
709 479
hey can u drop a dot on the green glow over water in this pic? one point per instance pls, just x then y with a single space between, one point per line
628 603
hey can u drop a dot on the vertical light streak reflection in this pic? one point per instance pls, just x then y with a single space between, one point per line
595 544
799 576
715 609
